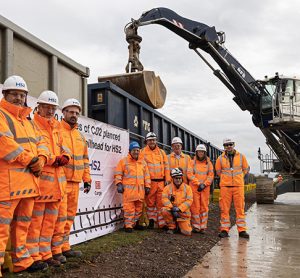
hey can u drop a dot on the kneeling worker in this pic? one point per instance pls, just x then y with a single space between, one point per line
177 198
133 181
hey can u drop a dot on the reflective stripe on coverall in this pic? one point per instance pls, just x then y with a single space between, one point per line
52 187
134 176
159 171
76 171
183 198
232 188
20 142
200 172
182 162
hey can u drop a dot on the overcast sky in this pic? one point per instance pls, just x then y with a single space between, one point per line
262 35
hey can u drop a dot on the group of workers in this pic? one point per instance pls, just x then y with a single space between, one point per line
176 188
42 162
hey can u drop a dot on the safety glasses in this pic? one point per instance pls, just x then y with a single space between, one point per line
228 145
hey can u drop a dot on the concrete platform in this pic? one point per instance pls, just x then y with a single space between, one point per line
272 251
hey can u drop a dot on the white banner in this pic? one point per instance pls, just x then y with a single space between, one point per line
99 211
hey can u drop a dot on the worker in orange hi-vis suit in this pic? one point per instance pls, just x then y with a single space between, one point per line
23 155
133 181
178 159
232 166
158 165
177 198
76 170
52 182
201 175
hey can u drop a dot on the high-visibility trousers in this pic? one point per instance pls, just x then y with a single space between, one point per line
44 217
16 214
184 224
66 215
154 203
199 208
132 212
227 195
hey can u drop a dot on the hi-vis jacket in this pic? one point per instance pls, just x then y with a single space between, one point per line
200 172
157 163
183 162
134 176
181 198
52 180
78 168
232 176
20 142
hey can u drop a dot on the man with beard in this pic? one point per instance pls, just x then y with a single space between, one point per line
133 181
23 155
201 175
177 198
76 171
159 170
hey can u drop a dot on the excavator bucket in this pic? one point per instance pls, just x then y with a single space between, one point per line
144 85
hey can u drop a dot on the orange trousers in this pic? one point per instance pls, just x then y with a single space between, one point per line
16 214
132 213
44 216
184 224
154 203
66 215
199 208
227 194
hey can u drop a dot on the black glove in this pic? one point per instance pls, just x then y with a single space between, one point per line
176 215
175 212
201 187
87 187
175 209
147 190
120 188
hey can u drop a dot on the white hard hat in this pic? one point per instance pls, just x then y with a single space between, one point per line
201 147
176 172
71 102
15 82
176 140
150 135
48 97
227 141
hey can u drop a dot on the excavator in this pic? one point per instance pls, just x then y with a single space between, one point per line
273 102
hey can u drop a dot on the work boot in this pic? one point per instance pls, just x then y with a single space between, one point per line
138 226
128 230
223 234
151 224
202 231
244 234
37 266
53 262
72 253
196 231
59 257
165 228
170 232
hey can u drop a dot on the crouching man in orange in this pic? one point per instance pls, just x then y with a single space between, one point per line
201 175
231 166
133 181
22 157
52 182
177 198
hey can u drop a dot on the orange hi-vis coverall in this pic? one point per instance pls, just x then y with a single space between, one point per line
134 176
20 142
182 161
158 165
200 172
182 198
76 171
52 187
232 187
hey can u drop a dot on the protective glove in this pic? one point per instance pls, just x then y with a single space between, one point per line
36 165
120 188
87 187
176 215
175 212
175 209
60 160
201 187
147 190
